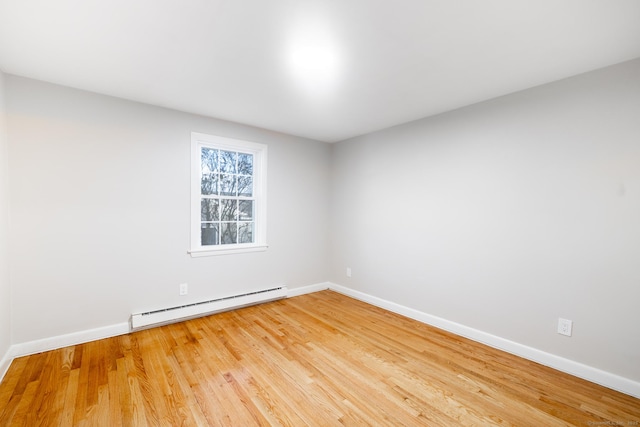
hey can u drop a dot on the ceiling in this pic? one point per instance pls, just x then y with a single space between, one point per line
326 70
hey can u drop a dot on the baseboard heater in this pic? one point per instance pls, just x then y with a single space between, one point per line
183 312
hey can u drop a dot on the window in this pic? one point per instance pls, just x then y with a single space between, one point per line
228 197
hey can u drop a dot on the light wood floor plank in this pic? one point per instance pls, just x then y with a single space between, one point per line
319 359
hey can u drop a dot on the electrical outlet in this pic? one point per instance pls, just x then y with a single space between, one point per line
184 289
564 327
348 271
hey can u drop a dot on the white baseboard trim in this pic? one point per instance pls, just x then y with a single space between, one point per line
52 343
308 289
5 362
589 373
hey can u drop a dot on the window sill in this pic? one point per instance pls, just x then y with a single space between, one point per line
196 253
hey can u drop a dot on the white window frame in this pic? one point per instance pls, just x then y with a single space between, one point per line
259 152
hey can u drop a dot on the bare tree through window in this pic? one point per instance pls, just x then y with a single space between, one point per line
227 197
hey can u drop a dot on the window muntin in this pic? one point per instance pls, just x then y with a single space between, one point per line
228 198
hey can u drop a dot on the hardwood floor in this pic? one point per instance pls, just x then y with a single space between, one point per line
320 359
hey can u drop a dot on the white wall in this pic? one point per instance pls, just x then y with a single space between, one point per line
5 289
100 211
505 215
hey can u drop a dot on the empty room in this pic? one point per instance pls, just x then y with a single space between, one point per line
237 213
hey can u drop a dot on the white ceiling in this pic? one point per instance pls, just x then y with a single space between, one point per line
383 62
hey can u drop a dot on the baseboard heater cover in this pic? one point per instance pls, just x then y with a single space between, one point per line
183 312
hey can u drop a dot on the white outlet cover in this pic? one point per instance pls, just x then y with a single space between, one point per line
565 326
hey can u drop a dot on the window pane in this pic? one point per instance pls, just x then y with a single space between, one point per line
228 185
229 210
209 210
245 210
245 232
228 234
209 234
245 164
228 161
209 160
209 183
245 186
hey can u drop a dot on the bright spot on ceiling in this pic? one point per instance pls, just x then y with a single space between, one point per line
314 61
